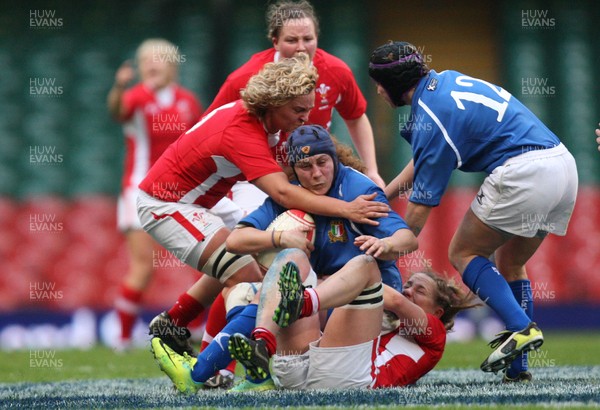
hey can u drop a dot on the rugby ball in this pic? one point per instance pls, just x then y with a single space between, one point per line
287 221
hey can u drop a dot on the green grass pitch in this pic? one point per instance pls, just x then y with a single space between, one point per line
566 371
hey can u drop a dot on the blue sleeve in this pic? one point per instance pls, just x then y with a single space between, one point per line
262 217
359 184
434 162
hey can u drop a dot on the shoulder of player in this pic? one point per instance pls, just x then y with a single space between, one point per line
243 73
138 91
243 126
354 183
431 96
328 64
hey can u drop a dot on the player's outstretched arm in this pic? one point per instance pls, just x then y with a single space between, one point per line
248 240
416 216
362 210
401 243
124 75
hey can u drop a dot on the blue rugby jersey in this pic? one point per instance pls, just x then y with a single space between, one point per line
334 237
462 122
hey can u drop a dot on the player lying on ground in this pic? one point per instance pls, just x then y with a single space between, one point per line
313 158
462 122
352 351
232 143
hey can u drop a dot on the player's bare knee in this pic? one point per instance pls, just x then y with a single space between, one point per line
241 294
292 255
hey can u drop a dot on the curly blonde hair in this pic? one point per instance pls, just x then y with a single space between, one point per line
278 83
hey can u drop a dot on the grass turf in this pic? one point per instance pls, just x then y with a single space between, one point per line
559 349
566 371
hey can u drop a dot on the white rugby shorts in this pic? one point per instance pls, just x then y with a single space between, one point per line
531 194
182 229
127 215
326 367
247 196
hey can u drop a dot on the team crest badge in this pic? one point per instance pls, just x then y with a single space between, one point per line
322 91
199 217
305 149
337 232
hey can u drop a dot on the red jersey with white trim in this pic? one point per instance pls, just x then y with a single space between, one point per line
336 87
226 146
403 358
152 121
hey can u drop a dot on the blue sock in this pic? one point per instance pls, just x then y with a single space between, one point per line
524 296
241 319
482 277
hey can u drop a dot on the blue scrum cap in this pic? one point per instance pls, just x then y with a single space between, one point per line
309 140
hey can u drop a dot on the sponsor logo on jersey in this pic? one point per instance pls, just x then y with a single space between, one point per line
432 84
337 232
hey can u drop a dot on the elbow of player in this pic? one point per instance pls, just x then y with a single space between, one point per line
413 243
283 195
409 242
233 243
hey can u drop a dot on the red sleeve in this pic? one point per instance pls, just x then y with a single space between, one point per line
353 103
250 152
435 335
129 101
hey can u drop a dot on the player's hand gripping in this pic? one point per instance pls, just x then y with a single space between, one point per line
296 238
372 246
364 210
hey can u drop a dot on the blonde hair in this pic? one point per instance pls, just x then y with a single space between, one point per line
168 51
281 12
450 297
278 83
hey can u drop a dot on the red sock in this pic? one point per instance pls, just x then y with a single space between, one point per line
215 322
311 303
185 310
231 366
268 337
128 308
